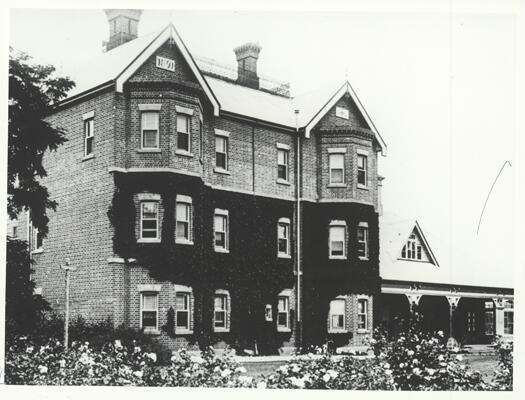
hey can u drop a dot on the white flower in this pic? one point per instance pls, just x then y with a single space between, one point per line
86 360
283 369
459 357
138 374
90 372
242 370
333 374
197 359
118 344
226 372
136 349
174 358
440 357
410 352
431 371
62 363
326 377
30 349
261 385
440 333
297 382
416 371
401 365
216 369
245 379
42 369
388 372
86 343
295 368
415 361
153 356
387 366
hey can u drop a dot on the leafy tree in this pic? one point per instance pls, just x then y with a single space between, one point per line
33 92
23 310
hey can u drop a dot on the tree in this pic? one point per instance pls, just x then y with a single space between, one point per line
34 91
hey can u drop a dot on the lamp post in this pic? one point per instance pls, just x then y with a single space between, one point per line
66 267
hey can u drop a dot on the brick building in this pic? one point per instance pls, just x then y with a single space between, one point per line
206 205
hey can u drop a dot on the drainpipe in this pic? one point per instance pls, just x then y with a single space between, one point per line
298 228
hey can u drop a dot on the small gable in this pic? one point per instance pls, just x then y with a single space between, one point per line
416 248
343 115
167 64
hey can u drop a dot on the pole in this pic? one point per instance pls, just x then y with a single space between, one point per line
298 236
67 268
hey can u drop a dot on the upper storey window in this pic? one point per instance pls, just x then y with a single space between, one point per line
220 223
150 130
89 134
337 166
362 169
221 152
412 250
149 220
183 132
337 239
362 240
283 156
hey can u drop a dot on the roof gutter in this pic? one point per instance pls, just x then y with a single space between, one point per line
86 93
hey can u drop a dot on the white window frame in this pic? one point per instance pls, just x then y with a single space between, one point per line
286 223
362 155
331 327
411 246
286 311
187 118
365 313
143 113
224 214
89 136
225 137
364 227
332 154
224 294
285 150
186 201
156 310
157 231
508 309
337 224
183 329
268 313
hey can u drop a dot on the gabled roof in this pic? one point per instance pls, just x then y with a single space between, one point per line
309 121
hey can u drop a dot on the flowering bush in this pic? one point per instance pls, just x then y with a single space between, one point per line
329 372
420 360
503 378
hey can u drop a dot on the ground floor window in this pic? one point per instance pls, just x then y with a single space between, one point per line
489 322
362 314
221 310
149 310
508 322
283 312
337 315
182 304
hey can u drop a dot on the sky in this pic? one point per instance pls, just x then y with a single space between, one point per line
440 87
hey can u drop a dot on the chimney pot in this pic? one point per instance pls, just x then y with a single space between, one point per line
123 26
247 55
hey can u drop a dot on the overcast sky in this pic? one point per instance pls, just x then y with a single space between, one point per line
439 86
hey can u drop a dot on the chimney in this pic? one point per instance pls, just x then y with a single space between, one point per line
123 26
247 56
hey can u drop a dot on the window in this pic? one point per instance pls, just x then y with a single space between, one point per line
337 168
337 315
412 249
183 132
149 220
149 311
221 230
220 312
89 137
362 314
221 152
283 312
361 169
150 130
337 239
508 317
283 237
184 219
182 318
489 322
362 240
282 164
268 313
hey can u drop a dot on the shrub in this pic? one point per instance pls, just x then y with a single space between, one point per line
504 373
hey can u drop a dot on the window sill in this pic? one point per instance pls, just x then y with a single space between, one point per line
337 257
182 241
148 151
364 258
148 240
221 171
361 186
221 330
285 256
337 185
363 331
38 251
184 153
285 330
88 157
281 181
150 331
183 331
337 331
221 250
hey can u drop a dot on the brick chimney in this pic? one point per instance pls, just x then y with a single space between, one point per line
247 56
123 26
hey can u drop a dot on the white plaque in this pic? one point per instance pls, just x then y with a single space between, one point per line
166 63
342 112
